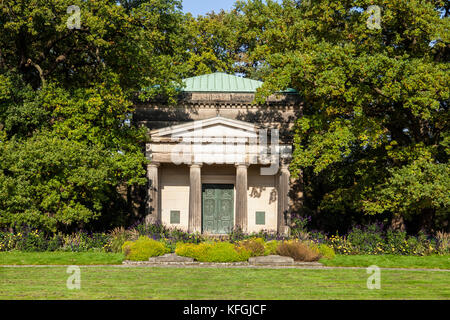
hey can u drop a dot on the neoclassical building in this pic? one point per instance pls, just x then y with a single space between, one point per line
218 160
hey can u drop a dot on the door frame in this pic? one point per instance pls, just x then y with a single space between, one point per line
234 199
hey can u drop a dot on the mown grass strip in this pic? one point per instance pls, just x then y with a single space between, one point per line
227 284
390 261
60 258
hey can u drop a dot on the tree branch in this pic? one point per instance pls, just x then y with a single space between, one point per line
39 69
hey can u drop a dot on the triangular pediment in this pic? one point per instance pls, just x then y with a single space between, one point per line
212 127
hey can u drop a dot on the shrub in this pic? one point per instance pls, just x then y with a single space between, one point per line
425 246
365 241
143 248
55 242
255 246
397 243
236 235
326 251
213 252
118 237
227 252
81 242
298 228
158 231
270 247
191 250
443 243
299 251
341 245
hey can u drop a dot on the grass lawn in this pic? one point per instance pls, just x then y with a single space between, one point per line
390 261
60 258
101 258
228 284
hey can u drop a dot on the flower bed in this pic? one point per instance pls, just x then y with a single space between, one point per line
371 240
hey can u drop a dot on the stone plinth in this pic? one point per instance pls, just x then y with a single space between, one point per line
272 260
170 258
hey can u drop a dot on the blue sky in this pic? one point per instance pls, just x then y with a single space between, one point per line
197 7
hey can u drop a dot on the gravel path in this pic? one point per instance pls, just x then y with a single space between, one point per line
308 266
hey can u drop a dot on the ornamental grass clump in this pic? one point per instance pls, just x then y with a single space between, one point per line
443 242
299 251
143 248
118 237
255 246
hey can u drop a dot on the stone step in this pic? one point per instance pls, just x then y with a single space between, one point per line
271 260
170 258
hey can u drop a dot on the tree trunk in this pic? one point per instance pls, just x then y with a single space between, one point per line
398 223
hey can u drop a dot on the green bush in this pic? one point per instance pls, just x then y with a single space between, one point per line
443 243
397 243
270 247
143 248
191 250
213 252
326 251
365 240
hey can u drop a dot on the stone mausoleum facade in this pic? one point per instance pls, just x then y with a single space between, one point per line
218 160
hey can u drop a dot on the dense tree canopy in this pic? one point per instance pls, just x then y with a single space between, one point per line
66 143
375 131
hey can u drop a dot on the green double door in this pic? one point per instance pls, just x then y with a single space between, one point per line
217 208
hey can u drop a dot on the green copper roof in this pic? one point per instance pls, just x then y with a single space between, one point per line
222 82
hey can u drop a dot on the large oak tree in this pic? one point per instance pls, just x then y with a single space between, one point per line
66 141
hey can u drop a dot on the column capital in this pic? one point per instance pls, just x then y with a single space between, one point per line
195 165
246 165
154 164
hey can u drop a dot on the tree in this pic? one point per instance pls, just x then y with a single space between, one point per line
66 139
212 43
375 124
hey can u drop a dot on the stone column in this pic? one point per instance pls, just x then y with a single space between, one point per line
283 199
195 199
241 197
153 212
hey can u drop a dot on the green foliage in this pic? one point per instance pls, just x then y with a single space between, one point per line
255 246
298 227
443 243
38 241
118 237
67 142
160 231
27 241
270 247
373 136
374 241
365 240
82 242
326 251
64 179
213 252
143 248
212 43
